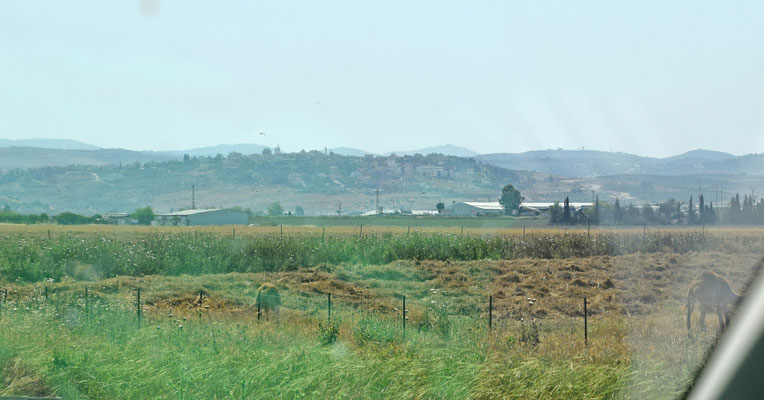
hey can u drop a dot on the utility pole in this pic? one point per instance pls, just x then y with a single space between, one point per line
193 197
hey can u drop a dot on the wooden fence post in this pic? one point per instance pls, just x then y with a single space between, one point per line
360 232
195 235
523 232
48 234
329 307
323 232
462 231
46 294
408 230
586 325
282 230
233 233
258 306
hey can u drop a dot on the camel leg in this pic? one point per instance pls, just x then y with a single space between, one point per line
720 314
702 319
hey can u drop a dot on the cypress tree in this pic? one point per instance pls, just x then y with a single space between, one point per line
617 212
596 216
566 212
691 213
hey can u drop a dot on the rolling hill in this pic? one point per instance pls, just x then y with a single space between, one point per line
588 163
318 182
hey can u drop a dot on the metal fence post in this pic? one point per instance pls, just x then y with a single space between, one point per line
586 325
490 311
404 316
138 307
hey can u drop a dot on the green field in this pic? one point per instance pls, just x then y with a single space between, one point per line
57 341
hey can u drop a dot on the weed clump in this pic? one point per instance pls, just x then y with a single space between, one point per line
328 333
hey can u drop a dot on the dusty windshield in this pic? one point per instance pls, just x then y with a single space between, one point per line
398 200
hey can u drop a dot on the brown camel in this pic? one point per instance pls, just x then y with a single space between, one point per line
714 294
268 298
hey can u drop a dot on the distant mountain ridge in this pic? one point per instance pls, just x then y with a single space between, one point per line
447 150
224 149
572 163
590 163
36 157
64 144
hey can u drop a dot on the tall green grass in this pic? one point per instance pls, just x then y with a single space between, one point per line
108 356
29 259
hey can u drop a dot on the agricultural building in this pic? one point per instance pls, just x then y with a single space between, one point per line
203 217
476 208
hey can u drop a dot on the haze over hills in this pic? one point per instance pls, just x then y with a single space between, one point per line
104 180
316 181
35 157
573 163
447 149
589 163
65 144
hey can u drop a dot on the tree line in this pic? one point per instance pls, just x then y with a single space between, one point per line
745 211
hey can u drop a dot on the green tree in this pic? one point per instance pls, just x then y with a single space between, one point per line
566 217
7 209
299 211
596 212
70 218
275 209
144 215
555 213
691 213
617 212
440 206
510 199
267 152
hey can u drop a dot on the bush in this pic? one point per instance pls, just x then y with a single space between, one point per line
328 333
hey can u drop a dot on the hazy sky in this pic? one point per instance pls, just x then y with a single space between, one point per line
653 77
